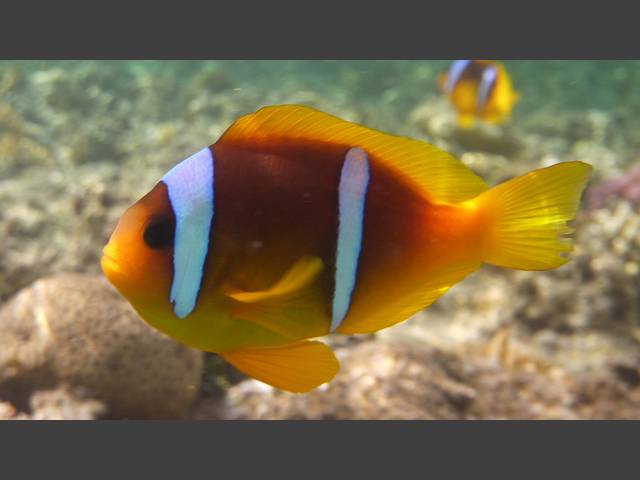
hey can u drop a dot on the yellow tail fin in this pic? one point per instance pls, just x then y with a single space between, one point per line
526 217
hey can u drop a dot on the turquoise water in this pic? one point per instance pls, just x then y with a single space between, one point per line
602 84
48 97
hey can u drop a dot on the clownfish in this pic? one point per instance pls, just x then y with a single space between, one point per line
296 224
479 89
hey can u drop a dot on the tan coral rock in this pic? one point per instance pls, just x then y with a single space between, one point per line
76 330
61 404
7 411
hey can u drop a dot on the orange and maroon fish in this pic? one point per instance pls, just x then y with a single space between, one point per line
296 224
479 89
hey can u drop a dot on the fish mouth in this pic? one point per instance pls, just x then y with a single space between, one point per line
111 266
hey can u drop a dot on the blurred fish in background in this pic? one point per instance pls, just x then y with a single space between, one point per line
479 90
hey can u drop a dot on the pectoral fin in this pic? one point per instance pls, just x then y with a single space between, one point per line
301 274
291 307
297 367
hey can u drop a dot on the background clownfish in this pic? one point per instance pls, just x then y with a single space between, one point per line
479 89
296 224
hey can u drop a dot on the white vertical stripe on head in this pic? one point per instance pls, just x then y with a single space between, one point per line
354 180
190 186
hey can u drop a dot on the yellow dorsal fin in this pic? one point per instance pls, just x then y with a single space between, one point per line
292 307
437 174
297 367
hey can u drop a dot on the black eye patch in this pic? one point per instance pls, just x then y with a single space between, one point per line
159 232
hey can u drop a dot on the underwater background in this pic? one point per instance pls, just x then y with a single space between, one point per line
80 141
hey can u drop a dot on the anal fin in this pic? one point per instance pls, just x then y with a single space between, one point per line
297 367
405 304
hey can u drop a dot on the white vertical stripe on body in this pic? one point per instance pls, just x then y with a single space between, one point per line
487 84
352 190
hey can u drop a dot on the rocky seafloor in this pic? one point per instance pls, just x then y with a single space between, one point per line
80 141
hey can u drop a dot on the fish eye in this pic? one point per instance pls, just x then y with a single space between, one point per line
159 232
